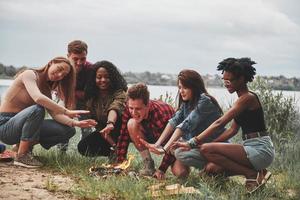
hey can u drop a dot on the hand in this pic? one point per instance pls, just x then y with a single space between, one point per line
153 147
106 131
158 174
75 113
87 123
182 145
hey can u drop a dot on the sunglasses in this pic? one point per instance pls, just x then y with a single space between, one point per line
228 81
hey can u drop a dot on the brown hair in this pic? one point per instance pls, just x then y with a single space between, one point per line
64 87
139 91
77 47
193 80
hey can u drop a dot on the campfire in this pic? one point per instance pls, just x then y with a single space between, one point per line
106 170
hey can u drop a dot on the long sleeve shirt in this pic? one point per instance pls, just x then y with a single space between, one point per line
158 117
100 106
193 121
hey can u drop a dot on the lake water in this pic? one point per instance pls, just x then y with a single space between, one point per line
221 94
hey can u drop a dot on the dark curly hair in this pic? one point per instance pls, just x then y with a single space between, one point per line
117 81
239 67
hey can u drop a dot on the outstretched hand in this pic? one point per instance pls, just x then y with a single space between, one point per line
152 147
182 145
107 130
87 123
76 113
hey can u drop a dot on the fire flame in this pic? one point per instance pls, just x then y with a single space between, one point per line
124 165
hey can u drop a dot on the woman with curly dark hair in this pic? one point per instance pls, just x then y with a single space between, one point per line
105 99
256 153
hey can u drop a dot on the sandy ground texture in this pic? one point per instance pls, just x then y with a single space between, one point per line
18 183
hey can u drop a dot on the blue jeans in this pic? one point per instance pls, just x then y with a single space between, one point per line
30 125
191 158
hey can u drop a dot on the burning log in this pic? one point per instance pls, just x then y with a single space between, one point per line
107 170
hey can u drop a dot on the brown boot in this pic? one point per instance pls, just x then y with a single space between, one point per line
148 168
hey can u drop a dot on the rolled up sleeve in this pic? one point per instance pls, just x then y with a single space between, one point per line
198 116
118 103
177 118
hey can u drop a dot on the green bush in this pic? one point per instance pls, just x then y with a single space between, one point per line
281 113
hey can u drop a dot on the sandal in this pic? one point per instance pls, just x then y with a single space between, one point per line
266 177
254 184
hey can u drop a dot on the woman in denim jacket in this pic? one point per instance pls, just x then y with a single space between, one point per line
197 110
256 153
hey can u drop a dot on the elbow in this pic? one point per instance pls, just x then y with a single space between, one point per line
38 100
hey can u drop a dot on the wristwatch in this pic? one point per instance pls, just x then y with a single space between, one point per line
110 122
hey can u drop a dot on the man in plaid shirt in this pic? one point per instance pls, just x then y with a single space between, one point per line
146 119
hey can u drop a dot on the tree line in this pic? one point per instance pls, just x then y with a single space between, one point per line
275 82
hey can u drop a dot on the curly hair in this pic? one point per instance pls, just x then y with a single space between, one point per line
239 67
117 81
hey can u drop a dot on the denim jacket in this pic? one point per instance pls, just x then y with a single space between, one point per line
193 122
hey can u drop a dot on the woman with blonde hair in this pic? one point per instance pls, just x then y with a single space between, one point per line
22 111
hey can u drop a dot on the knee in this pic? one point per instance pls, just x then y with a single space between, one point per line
181 156
38 111
70 132
180 171
132 126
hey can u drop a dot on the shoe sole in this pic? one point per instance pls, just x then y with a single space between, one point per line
16 163
267 177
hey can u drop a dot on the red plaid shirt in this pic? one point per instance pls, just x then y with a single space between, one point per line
158 118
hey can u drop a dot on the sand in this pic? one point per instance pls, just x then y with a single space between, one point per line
18 183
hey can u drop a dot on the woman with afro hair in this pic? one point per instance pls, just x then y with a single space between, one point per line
256 153
105 97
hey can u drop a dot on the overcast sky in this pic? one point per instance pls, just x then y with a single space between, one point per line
155 35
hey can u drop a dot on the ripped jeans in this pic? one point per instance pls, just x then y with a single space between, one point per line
30 125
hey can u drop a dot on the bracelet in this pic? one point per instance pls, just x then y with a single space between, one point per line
110 122
193 143
164 150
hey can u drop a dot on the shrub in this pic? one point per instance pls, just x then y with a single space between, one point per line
281 113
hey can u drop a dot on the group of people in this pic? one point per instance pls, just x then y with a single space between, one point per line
95 97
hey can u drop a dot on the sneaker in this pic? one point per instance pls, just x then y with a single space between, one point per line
28 161
148 168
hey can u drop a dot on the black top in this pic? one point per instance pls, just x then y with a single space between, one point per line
251 120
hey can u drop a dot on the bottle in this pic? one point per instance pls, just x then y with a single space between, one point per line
2 148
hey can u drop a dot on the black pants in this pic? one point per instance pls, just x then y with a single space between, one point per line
95 145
